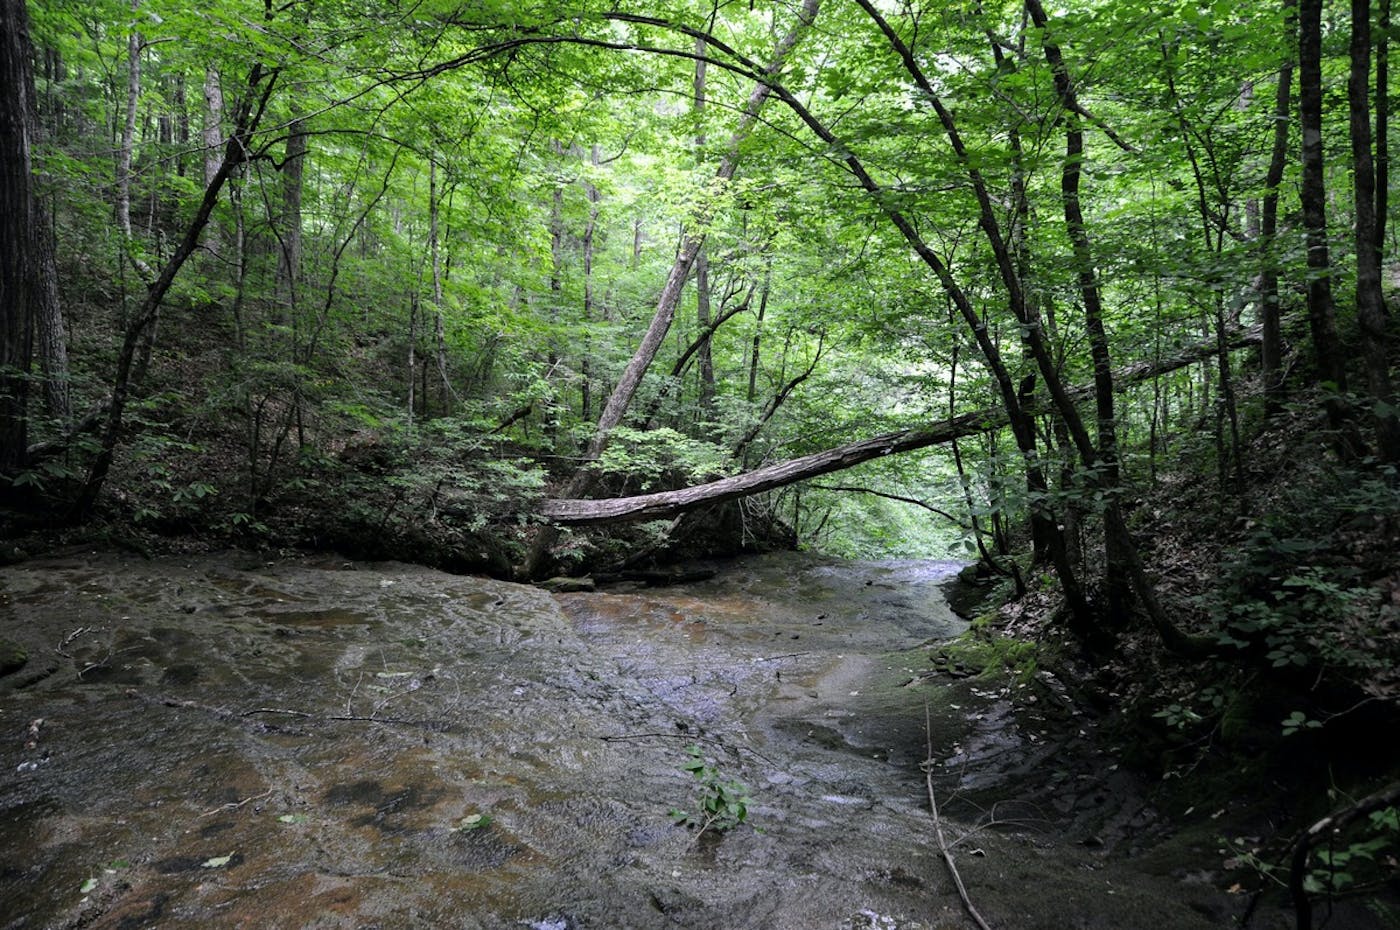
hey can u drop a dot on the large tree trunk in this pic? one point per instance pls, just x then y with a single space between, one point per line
573 512
18 270
1370 305
621 398
1271 349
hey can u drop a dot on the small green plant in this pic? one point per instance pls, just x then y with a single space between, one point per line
723 803
1299 721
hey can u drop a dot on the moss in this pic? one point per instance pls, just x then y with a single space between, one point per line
982 651
13 656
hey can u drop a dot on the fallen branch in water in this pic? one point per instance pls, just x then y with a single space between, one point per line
943 846
366 718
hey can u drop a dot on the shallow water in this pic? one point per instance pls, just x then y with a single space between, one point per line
224 742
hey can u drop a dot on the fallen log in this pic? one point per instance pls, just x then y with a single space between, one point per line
663 504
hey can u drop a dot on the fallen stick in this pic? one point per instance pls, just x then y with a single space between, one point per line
938 830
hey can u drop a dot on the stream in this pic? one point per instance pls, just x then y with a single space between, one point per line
220 741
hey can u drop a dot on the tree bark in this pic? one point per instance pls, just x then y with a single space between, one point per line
293 173
702 261
1322 314
128 138
1370 304
1271 349
18 270
1382 130
258 90
574 512
1115 578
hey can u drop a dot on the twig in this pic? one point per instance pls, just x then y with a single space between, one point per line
366 718
1331 825
235 805
938 829
72 636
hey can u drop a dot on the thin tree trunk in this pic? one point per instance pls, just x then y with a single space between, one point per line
258 91
758 330
293 173
412 353
449 394
128 137
1116 581
702 262
1322 314
1022 427
1382 131
1370 304
213 143
621 398
18 269
1271 350
590 191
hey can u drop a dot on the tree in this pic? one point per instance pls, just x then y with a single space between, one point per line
28 281
1370 304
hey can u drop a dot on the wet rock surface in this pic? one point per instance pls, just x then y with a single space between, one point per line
225 742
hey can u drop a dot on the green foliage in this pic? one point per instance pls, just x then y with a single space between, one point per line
984 650
1362 857
643 460
721 803
1287 595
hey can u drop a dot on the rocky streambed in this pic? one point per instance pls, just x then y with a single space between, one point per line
223 741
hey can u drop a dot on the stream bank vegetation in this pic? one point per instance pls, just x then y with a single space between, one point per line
1101 298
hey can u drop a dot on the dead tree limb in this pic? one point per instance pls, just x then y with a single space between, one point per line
1331 825
664 504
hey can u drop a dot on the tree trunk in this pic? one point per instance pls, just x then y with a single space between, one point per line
1022 427
18 268
1116 581
702 262
1271 349
128 137
213 142
1382 130
1322 313
449 394
250 112
590 191
293 173
1370 305
757 344
621 398
569 511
